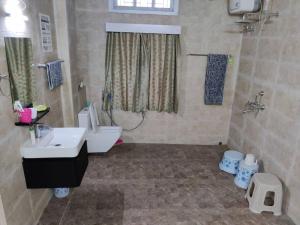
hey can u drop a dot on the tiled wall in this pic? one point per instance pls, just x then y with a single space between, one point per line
23 206
73 97
204 25
270 62
79 94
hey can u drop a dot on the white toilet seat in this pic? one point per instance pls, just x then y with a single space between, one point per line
99 138
103 139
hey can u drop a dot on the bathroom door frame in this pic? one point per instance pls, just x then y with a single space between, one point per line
2 214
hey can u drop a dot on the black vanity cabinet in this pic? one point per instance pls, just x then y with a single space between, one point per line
56 172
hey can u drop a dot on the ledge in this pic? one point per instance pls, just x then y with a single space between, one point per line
40 115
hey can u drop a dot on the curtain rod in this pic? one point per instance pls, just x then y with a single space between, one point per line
142 28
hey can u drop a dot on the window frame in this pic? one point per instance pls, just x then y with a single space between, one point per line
144 10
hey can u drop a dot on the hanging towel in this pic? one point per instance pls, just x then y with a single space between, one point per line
54 74
215 79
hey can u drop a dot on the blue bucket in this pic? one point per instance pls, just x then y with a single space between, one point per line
61 192
245 172
230 161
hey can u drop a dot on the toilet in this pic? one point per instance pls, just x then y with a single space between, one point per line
100 139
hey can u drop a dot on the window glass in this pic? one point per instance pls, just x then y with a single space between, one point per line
164 7
125 3
143 3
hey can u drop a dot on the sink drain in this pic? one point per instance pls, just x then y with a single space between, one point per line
57 145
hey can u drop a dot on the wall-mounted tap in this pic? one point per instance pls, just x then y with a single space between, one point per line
255 106
41 130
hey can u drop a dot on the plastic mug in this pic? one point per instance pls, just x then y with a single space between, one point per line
25 116
33 113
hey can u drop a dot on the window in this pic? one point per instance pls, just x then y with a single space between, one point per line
162 7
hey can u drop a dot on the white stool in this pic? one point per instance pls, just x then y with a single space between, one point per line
262 186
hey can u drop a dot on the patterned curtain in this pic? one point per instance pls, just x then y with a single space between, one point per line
19 62
126 72
141 72
164 50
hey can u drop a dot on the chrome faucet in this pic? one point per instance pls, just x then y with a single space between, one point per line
255 106
41 130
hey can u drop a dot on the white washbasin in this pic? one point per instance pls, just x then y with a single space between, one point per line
59 143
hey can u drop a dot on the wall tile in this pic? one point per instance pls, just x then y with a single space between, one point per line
280 152
294 199
246 66
12 189
249 47
269 49
254 131
282 127
287 103
243 85
289 75
238 118
235 137
266 71
250 147
271 166
296 166
22 213
291 50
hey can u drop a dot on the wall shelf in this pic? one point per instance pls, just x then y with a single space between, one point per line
40 115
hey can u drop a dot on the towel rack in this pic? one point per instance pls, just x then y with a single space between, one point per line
44 65
206 55
193 54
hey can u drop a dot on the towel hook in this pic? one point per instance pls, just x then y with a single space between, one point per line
3 77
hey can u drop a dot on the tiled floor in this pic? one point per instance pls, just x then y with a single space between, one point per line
143 184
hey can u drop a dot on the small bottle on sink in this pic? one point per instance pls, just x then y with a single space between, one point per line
32 135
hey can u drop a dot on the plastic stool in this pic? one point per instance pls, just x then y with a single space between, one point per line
261 188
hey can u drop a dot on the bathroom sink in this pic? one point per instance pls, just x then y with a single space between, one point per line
59 143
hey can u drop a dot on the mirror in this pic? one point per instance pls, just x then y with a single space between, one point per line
19 58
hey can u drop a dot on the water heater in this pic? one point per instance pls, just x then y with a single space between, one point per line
244 6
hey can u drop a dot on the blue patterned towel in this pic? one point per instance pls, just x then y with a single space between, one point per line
215 79
54 74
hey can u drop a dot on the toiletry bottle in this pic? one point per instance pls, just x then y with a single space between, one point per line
32 135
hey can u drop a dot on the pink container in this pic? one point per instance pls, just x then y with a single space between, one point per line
25 117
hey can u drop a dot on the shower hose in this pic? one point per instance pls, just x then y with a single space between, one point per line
112 121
